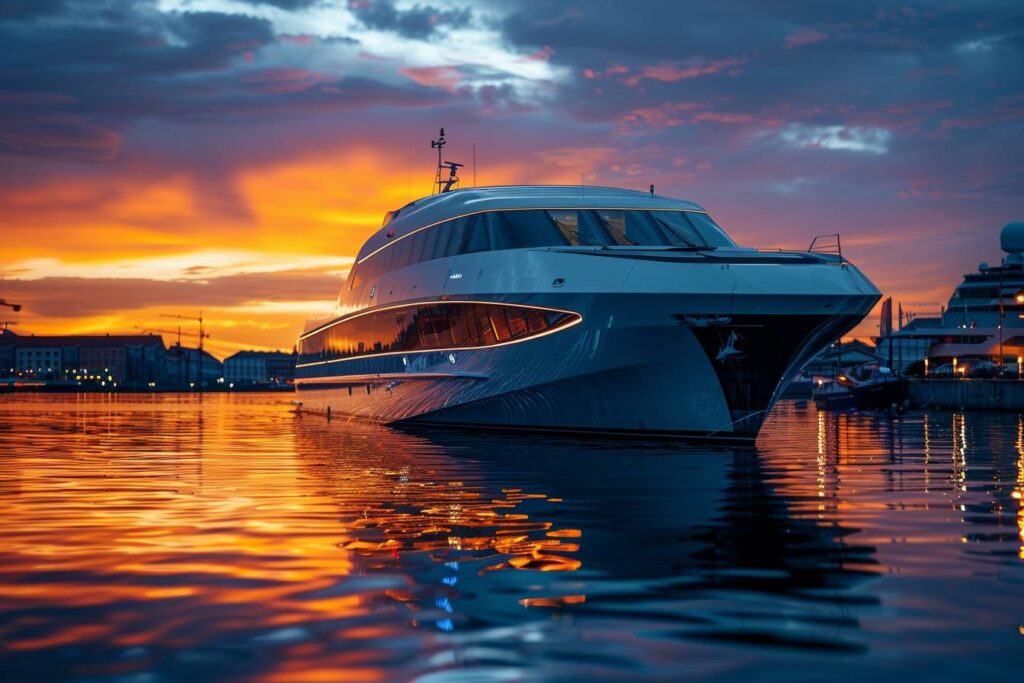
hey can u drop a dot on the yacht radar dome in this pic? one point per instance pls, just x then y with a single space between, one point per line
1011 239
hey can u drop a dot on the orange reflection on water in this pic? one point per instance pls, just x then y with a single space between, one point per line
1018 491
867 461
187 521
561 601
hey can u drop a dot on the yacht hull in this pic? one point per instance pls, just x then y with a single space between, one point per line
632 366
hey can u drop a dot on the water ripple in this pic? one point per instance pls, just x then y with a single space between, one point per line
225 537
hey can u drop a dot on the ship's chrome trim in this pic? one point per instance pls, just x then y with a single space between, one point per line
380 376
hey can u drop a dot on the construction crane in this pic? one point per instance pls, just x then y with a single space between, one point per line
179 334
176 332
16 307
202 335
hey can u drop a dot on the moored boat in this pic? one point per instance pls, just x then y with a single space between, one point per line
572 309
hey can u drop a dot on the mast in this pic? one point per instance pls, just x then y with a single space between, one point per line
438 144
445 184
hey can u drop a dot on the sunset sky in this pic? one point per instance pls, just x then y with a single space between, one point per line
230 155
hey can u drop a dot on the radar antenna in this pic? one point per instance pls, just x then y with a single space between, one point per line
453 177
442 184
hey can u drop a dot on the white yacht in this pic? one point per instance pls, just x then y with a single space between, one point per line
576 309
983 319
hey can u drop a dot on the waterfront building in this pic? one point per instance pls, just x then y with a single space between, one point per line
189 368
132 360
838 357
40 363
259 367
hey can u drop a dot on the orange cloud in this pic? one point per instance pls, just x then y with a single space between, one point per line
447 77
805 36
668 72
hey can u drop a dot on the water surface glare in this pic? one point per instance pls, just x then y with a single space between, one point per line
224 537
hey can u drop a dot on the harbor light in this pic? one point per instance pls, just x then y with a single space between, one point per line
926 367
954 367
1020 296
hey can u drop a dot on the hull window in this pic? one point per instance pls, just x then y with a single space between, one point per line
430 327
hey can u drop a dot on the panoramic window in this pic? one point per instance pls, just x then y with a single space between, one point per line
428 328
518 229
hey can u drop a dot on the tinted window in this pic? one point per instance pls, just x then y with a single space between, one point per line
673 228
535 229
660 228
709 231
501 234
402 252
477 235
457 236
430 327
642 230
499 230
614 223
568 224
430 236
444 236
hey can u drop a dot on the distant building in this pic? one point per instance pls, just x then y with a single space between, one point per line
189 368
259 367
129 360
836 358
39 363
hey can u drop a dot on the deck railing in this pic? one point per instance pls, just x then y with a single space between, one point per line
826 244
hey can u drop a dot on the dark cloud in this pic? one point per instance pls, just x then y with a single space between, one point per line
107 66
287 4
419 22
30 8
903 101
57 135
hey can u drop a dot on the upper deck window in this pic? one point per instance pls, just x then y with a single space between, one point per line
519 229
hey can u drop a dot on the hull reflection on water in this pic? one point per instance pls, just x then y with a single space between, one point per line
660 536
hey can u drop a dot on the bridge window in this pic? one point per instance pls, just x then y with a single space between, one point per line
518 229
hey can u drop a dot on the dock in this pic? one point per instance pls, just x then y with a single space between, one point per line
973 394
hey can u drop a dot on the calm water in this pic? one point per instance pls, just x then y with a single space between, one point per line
167 538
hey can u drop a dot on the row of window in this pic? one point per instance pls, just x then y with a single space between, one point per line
1008 308
498 230
980 292
429 327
